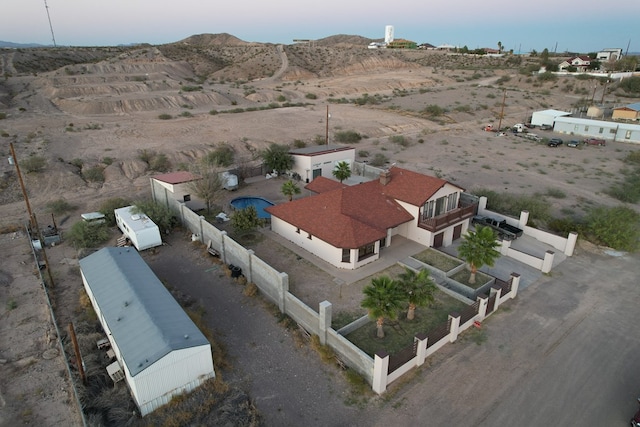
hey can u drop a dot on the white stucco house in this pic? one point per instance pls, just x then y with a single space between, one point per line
609 54
160 351
320 160
347 226
176 185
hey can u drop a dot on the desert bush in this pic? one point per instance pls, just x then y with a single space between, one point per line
281 98
3 116
547 76
186 114
434 110
311 96
160 163
616 227
77 163
213 112
223 155
298 143
400 140
633 158
628 190
85 235
555 193
109 205
60 206
107 160
94 174
33 164
378 160
630 85
348 137
165 116
190 88
510 204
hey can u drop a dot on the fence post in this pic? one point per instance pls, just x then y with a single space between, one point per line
380 371
571 243
223 249
200 227
547 263
250 255
421 350
524 218
324 320
504 247
483 300
482 205
282 291
454 329
515 283
181 207
497 291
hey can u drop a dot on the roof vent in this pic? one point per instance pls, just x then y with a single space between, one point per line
186 337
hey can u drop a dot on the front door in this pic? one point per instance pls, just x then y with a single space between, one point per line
437 240
457 232
316 173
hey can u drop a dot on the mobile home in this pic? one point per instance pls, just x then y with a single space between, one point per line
138 228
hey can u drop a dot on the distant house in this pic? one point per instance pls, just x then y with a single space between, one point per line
320 160
629 112
580 63
159 351
349 226
610 54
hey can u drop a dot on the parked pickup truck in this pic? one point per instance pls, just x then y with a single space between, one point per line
505 231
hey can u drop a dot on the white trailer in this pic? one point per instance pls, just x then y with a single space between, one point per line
138 228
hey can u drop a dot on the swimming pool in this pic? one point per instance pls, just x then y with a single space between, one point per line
258 202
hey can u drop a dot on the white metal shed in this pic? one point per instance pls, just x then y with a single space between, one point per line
161 351
547 117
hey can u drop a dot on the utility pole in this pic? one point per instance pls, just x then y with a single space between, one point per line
326 136
22 187
504 95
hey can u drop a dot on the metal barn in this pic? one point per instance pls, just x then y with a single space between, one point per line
160 350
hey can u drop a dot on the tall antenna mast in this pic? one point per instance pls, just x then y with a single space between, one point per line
50 26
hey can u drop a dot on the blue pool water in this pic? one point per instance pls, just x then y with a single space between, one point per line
258 202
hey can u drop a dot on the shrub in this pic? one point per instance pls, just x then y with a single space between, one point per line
298 143
94 174
348 137
190 88
33 164
3 116
107 160
434 110
109 205
85 235
616 227
160 163
400 140
60 206
221 156
311 96
186 114
77 163
165 116
378 160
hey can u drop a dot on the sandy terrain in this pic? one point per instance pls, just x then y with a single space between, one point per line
106 118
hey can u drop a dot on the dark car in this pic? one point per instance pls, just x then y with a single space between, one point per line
554 142
573 143
635 421
594 141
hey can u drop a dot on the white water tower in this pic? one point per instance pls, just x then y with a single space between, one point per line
388 34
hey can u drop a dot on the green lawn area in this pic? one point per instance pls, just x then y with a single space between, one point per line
400 333
462 276
438 260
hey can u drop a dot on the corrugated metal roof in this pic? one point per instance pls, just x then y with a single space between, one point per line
145 320
317 150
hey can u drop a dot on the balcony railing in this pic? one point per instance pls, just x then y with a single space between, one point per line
443 221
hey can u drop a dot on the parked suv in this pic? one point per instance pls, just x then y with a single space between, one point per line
594 141
554 142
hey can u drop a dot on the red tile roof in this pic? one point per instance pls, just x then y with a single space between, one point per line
322 185
353 216
176 177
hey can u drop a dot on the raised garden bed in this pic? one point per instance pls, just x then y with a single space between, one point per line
438 260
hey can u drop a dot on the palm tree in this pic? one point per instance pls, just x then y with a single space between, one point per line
418 289
383 298
290 188
342 171
500 47
478 249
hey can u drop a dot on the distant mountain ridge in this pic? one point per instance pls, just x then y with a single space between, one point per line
13 45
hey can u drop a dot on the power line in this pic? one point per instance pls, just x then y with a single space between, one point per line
50 26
